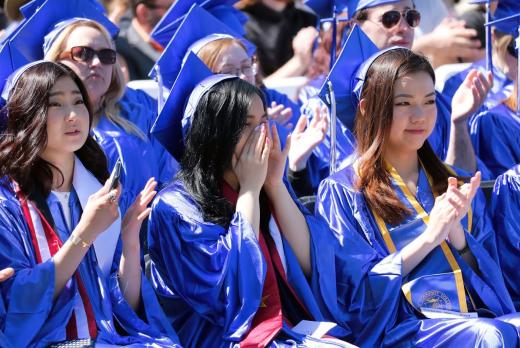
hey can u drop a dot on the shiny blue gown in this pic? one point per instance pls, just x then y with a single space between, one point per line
494 134
210 279
505 205
34 319
367 297
142 158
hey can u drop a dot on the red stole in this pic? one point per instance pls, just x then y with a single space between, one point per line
38 225
268 319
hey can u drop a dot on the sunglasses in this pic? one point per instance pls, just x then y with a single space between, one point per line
511 49
391 18
85 54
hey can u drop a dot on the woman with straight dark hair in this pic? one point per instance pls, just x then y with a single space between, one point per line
78 273
416 255
231 249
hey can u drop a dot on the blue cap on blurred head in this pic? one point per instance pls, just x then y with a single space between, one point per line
325 8
174 120
507 17
221 9
357 5
197 29
357 49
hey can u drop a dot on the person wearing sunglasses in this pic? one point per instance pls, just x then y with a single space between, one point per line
389 24
494 132
122 118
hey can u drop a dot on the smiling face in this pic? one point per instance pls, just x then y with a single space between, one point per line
67 119
95 75
414 113
399 35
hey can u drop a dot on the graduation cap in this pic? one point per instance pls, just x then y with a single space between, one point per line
221 9
325 8
29 39
173 121
357 5
15 76
197 29
25 44
506 19
357 49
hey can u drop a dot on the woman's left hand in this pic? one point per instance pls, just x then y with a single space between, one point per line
138 212
277 159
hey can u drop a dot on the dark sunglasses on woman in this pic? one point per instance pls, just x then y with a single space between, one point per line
391 18
85 54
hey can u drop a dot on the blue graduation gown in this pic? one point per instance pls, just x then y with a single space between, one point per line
141 109
210 279
368 280
505 205
502 86
34 319
494 134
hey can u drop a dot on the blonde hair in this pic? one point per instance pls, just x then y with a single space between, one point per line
109 102
211 52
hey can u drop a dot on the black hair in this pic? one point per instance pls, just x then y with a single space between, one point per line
217 124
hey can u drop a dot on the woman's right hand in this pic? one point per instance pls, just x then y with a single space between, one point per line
251 167
100 212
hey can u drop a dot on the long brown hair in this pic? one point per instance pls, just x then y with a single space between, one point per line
372 128
25 136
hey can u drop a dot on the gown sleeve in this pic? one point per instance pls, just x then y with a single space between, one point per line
499 152
217 271
505 207
28 295
368 283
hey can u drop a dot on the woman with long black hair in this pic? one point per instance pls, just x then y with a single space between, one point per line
231 249
78 273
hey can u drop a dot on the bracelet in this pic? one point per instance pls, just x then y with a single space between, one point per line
464 250
75 240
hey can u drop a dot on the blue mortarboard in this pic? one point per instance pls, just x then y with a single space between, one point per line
507 20
357 49
29 39
507 17
221 9
357 5
175 117
325 8
24 45
197 25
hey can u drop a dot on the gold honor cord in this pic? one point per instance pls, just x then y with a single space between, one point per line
426 218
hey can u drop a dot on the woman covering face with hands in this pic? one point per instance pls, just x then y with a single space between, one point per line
77 265
245 242
416 254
